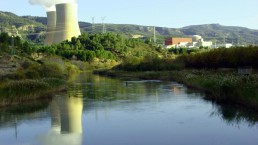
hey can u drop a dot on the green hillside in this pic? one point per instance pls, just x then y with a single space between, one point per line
33 28
221 33
26 28
8 19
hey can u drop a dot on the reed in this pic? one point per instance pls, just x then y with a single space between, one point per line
223 87
14 92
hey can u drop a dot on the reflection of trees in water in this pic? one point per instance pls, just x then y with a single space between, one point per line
235 114
13 116
102 88
231 114
23 112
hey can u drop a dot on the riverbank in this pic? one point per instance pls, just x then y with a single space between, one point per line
23 79
220 86
17 92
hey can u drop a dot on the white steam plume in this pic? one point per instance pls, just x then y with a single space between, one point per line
50 4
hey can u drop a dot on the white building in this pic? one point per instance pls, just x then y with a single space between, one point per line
226 45
198 41
195 41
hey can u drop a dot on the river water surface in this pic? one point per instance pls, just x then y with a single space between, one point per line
103 111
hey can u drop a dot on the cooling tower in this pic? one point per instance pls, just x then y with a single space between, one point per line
51 25
66 22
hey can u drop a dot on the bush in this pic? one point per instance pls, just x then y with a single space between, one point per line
51 70
223 58
32 74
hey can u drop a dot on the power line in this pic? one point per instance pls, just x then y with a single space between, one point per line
103 25
93 24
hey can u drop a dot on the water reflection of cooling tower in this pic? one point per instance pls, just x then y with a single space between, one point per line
66 22
51 25
66 122
71 115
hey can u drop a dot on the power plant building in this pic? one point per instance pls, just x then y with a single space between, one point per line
64 25
175 42
194 42
198 41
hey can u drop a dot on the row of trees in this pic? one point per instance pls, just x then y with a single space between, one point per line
89 46
198 59
223 58
18 43
6 40
85 48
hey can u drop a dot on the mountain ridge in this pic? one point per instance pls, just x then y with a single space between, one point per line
212 32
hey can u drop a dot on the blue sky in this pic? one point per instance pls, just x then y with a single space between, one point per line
165 13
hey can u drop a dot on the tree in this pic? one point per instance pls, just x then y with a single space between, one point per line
5 38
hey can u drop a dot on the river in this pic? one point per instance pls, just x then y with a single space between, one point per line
97 110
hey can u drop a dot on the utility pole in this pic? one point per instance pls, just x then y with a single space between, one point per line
12 42
103 25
